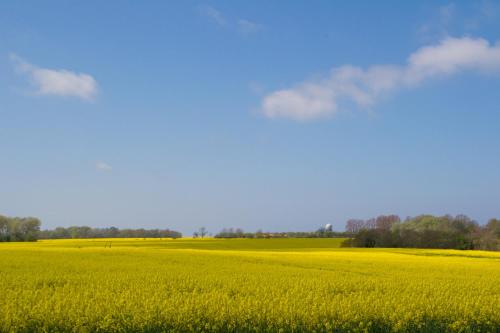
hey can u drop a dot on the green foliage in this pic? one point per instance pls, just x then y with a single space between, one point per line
19 229
112 232
239 233
244 285
424 231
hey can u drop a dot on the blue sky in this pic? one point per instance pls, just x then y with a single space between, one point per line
261 115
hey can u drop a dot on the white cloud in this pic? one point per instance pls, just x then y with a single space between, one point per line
57 82
313 99
248 27
213 14
103 166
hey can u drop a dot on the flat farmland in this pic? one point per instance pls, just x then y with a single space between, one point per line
244 285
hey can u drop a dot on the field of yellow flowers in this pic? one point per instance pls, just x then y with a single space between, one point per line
244 285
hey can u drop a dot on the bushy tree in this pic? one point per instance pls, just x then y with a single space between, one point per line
424 231
17 229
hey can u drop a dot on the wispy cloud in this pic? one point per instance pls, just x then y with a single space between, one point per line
485 12
313 99
57 82
213 14
244 26
451 19
103 166
248 27
437 27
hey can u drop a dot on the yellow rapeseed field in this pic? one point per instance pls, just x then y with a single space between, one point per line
260 285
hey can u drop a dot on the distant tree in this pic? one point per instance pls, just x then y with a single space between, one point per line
4 229
386 222
202 232
494 226
370 224
239 233
30 227
112 232
424 231
353 226
19 229
365 238
488 238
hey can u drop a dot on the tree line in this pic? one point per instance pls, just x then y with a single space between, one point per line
27 229
424 231
239 233
19 229
111 232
